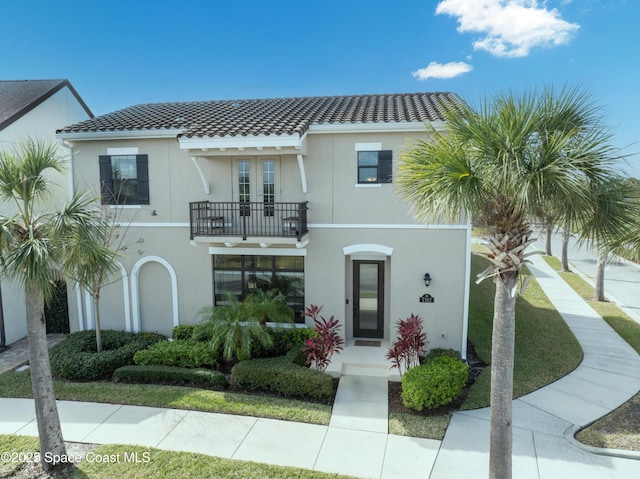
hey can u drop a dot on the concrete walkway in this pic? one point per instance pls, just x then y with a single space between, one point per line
356 442
544 421
18 353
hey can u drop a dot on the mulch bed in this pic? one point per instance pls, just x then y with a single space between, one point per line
395 389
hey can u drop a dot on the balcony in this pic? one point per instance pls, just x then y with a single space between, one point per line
243 219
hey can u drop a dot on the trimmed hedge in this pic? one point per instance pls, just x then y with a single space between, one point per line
180 353
171 375
75 357
281 376
183 331
433 384
438 352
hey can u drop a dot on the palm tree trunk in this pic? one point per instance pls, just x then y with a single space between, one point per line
502 355
96 316
549 231
49 430
566 234
598 293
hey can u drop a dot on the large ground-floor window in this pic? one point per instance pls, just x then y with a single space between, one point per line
241 275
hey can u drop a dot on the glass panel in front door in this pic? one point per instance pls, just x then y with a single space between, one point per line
244 187
368 296
268 186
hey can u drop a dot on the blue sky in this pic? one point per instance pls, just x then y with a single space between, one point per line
120 53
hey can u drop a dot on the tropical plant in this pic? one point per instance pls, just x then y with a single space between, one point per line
500 164
32 245
410 342
269 306
616 209
234 327
326 341
93 262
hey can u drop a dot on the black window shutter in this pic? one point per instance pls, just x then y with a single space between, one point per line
106 180
142 165
385 166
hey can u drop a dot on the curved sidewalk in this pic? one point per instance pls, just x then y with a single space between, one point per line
543 421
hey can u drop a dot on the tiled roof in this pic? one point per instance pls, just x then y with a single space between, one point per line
18 97
271 116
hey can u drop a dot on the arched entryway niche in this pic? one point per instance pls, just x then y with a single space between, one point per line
148 297
367 268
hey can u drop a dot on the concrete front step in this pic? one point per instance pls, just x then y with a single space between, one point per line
355 369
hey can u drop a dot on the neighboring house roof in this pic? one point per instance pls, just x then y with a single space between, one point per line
274 116
19 97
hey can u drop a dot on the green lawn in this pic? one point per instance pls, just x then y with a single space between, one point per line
625 326
17 384
546 350
155 463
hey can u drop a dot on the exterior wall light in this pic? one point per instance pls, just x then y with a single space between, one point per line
427 279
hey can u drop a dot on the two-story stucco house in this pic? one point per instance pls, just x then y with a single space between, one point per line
36 109
296 193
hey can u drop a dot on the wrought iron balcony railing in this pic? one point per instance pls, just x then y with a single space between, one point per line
243 219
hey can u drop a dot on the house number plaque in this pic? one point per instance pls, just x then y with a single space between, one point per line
427 298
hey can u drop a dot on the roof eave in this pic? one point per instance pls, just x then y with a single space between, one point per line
376 127
118 134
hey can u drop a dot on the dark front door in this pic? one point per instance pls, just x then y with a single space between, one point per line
368 299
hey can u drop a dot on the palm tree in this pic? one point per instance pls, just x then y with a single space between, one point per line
92 261
32 245
616 209
499 165
235 326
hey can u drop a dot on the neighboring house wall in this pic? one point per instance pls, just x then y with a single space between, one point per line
41 123
344 218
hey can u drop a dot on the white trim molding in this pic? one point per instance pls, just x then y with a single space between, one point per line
118 135
367 248
133 150
135 272
465 313
381 126
258 251
368 146
242 142
125 297
386 226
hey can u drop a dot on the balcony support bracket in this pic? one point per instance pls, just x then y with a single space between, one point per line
205 185
303 175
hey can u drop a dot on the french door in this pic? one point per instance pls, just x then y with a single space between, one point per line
256 182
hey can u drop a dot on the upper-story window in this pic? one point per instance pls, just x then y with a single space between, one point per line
124 179
374 166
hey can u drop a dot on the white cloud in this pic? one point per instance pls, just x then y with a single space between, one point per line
511 27
446 70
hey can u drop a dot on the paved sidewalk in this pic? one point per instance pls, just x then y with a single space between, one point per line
543 420
18 353
356 443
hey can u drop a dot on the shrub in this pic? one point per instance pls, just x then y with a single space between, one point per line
56 311
326 341
76 358
170 375
438 352
296 355
181 353
283 339
281 376
434 384
184 331
405 352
